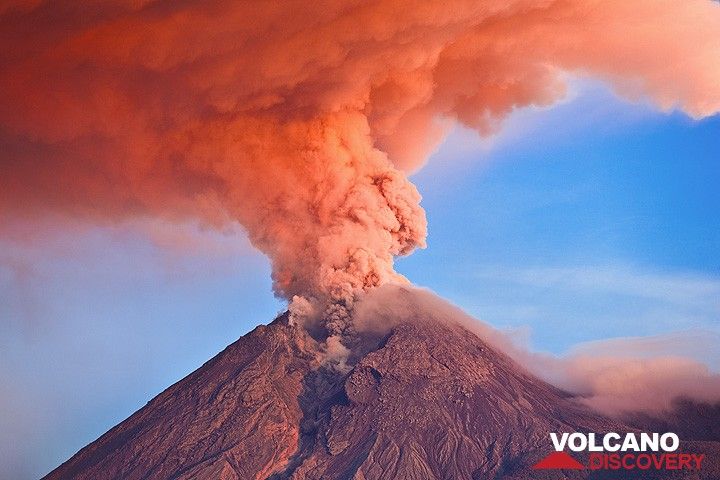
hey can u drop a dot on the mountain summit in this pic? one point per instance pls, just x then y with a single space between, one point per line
428 400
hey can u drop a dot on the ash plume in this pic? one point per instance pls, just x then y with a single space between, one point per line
300 120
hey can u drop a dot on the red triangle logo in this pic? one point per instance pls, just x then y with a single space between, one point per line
558 460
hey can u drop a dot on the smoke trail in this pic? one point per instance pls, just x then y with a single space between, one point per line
300 119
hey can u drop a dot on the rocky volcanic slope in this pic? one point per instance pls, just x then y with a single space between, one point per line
427 401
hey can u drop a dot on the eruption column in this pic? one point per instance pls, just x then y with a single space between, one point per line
300 120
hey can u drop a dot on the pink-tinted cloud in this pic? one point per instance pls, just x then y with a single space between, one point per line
627 384
299 119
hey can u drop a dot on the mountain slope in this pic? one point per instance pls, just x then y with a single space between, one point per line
426 401
204 425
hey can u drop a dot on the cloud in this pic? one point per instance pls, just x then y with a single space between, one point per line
624 384
40 258
300 121
679 288
614 376
612 299
697 343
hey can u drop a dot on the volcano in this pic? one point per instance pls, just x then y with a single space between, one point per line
424 400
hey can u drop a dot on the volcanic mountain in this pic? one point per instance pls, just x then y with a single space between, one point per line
424 400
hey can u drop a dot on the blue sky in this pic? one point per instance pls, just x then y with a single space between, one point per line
596 211
594 219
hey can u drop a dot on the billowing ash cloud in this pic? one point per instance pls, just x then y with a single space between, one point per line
300 119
